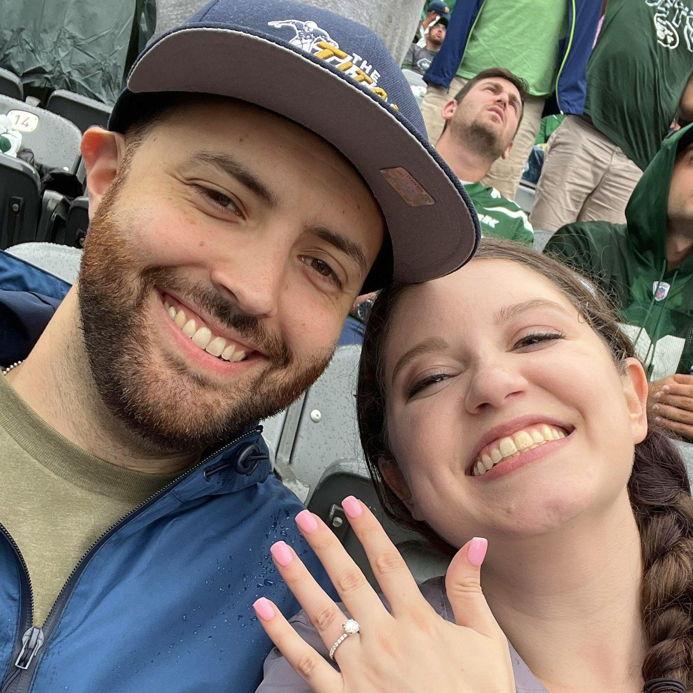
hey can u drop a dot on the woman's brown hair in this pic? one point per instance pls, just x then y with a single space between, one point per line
658 487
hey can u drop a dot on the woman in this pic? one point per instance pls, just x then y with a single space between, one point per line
503 402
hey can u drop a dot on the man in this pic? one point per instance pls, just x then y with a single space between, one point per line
480 125
233 222
647 266
419 58
635 78
544 42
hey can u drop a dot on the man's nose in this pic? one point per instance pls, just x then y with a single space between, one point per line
492 385
252 279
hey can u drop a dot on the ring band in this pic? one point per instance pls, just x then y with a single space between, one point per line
349 627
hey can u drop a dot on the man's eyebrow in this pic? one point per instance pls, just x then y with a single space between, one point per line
508 312
423 347
346 245
233 168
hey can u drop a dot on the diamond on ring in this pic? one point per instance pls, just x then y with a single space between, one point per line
349 627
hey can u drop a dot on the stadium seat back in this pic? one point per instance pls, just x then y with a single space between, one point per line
53 139
11 85
80 110
20 201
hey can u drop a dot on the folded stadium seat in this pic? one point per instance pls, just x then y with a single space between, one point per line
20 201
59 260
76 224
525 196
11 85
53 140
78 109
541 238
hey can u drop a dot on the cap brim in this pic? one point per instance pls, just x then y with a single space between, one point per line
428 214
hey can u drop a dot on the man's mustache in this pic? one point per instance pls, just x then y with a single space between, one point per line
227 313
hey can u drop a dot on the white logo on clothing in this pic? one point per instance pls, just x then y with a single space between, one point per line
672 19
665 355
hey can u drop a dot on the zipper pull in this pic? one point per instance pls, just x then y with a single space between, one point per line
31 643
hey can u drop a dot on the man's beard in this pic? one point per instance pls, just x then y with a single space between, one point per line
481 138
165 404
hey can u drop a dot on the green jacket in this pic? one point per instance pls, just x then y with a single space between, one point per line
629 262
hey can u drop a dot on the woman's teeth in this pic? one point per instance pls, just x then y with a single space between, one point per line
518 442
203 337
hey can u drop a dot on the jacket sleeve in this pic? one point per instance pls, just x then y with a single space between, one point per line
449 57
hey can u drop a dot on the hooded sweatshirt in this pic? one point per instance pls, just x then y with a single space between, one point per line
628 261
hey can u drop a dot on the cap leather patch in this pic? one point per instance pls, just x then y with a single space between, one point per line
407 187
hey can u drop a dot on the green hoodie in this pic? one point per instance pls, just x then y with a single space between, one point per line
629 262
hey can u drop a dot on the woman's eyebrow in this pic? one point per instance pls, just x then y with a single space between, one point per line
423 347
508 312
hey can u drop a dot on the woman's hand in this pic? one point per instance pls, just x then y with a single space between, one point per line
410 647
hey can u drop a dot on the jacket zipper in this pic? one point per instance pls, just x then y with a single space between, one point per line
33 638
567 53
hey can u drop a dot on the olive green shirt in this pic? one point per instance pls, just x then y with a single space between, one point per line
55 499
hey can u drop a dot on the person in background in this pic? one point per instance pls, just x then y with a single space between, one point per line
685 110
646 266
545 42
636 75
394 23
549 124
419 58
481 122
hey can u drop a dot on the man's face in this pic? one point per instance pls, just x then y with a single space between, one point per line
436 34
487 117
680 209
219 269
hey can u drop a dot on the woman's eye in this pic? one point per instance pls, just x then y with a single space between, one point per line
537 338
323 269
218 199
425 382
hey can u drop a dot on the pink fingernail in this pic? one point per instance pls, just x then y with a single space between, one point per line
264 609
477 551
352 507
306 521
282 553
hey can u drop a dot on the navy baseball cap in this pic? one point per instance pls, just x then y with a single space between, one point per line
334 77
439 7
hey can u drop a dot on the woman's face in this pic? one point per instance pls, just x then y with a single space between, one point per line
505 411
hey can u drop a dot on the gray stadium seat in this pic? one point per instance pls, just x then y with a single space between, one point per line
11 85
525 196
20 201
53 139
541 238
78 109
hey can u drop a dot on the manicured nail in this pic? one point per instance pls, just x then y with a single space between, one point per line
352 507
658 419
264 609
282 553
655 407
658 394
665 388
477 551
306 521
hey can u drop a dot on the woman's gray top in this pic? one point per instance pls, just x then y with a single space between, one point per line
279 676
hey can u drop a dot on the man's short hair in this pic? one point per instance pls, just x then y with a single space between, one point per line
490 73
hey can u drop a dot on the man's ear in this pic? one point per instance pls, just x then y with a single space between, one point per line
396 482
635 389
102 153
449 109
507 151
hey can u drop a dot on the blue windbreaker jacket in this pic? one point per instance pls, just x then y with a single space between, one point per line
574 50
163 601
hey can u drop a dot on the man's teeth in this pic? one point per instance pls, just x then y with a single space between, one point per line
510 446
203 337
